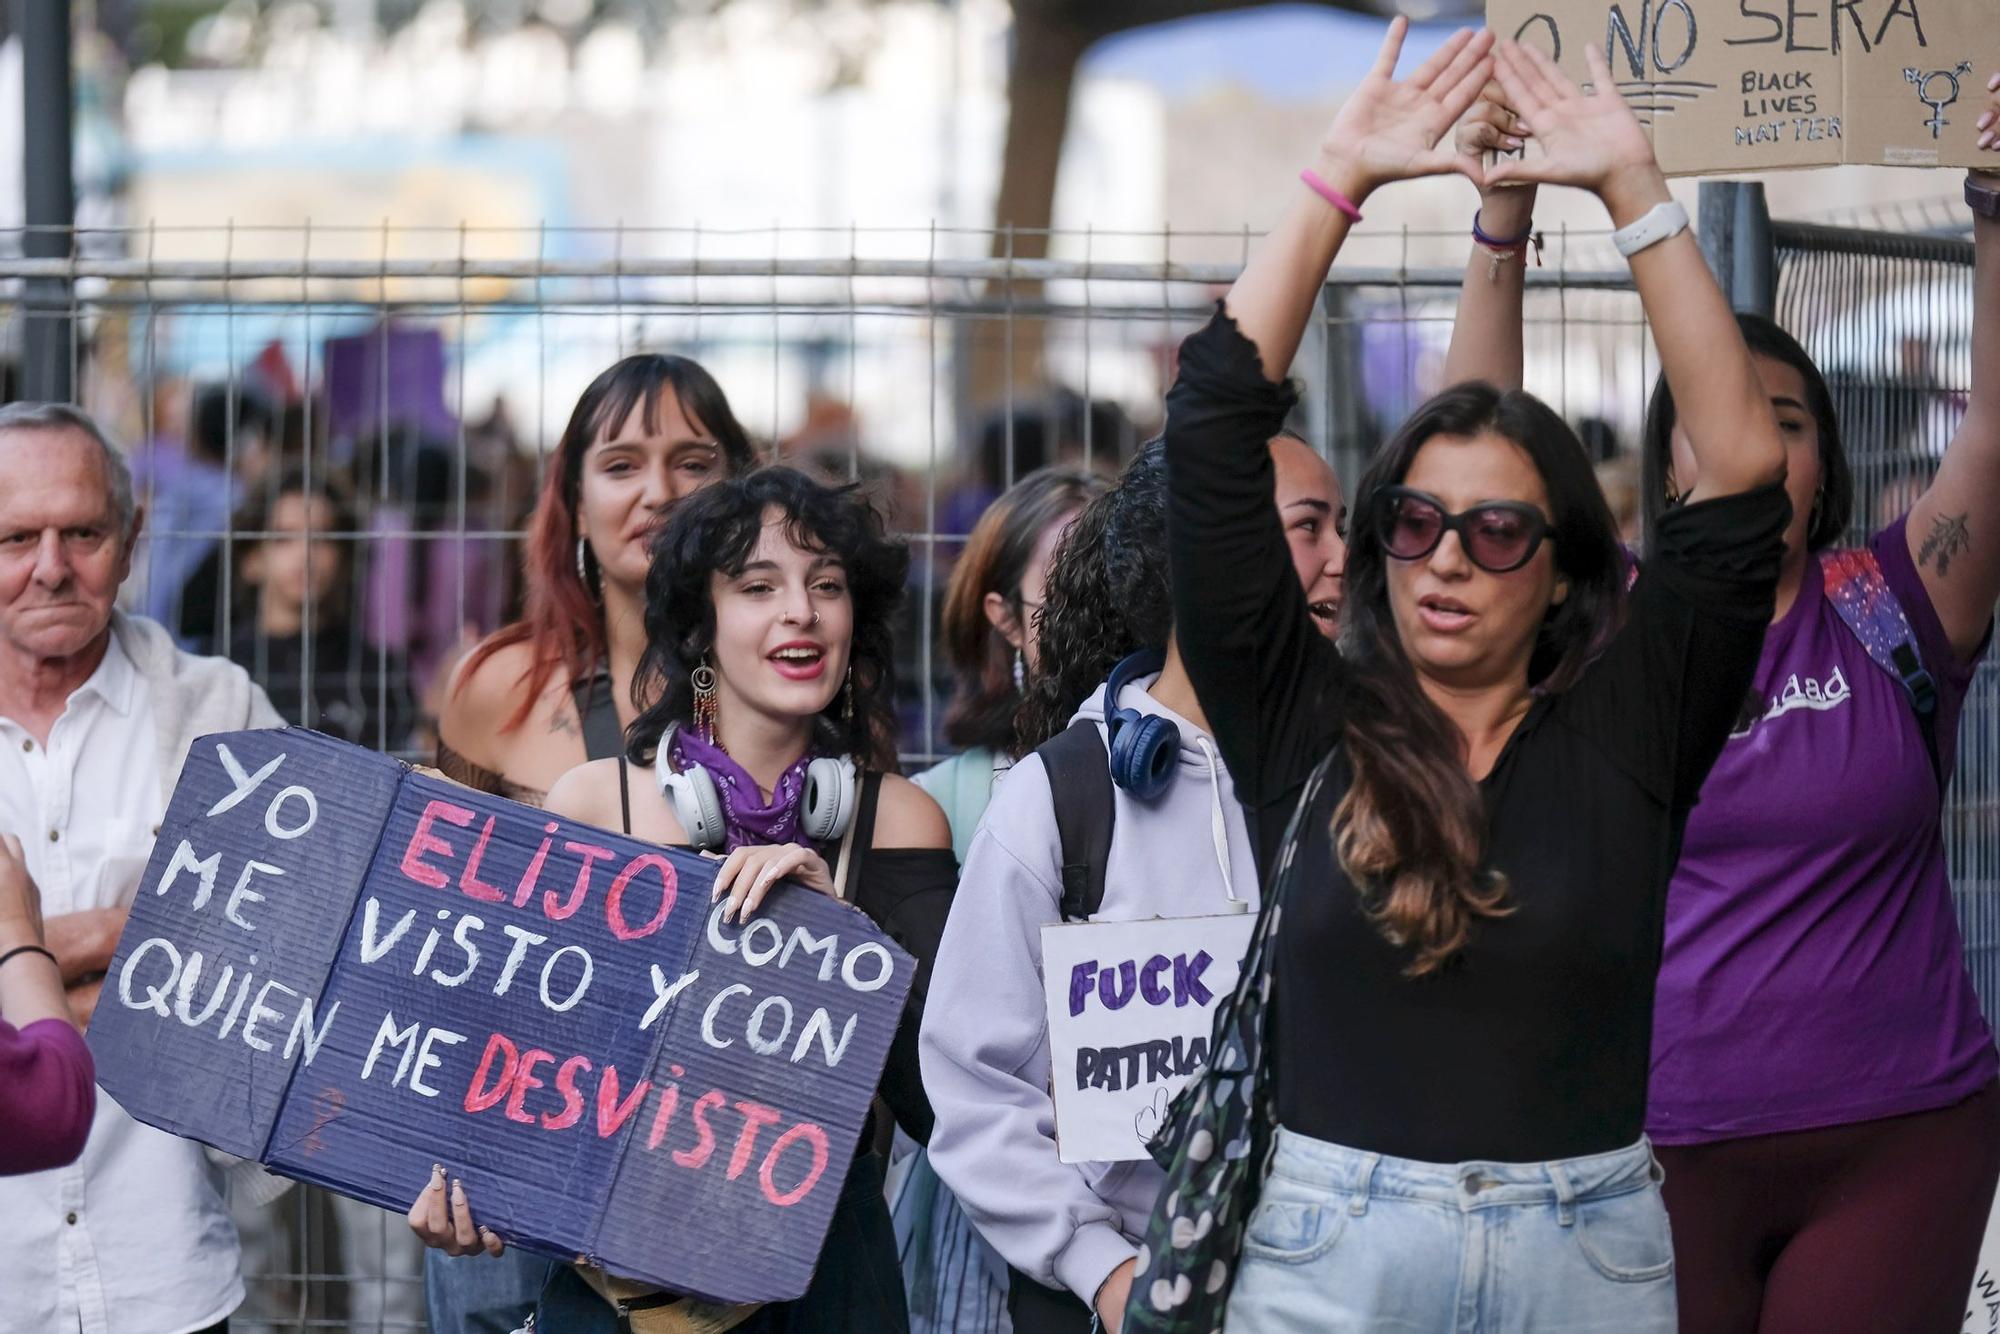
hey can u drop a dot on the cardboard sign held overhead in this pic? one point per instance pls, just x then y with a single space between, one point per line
349 971
1756 85
1131 1006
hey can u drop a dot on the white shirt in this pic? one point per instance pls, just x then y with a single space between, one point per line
134 1237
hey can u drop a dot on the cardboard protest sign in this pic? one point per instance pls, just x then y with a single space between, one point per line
1131 1006
349 971
1755 85
1982 1304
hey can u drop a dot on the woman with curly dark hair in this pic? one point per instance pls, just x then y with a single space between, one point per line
1178 848
768 677
538 697
1108 595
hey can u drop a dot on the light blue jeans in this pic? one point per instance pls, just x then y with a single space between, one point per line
1344 1240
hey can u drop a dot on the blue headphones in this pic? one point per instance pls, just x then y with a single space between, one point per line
1144 747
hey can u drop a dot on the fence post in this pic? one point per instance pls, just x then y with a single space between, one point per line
47 365
1735 232
1351 433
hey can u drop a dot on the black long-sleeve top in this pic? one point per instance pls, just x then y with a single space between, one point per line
1532 1043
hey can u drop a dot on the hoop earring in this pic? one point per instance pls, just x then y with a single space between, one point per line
583 569
702 679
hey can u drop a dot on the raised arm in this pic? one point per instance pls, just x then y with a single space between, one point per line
1593 141
1265 676
1486 333
1386 131
1953 535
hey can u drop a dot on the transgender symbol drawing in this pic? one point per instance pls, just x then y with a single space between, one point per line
1927 82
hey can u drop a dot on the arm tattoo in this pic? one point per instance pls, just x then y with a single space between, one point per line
1948 537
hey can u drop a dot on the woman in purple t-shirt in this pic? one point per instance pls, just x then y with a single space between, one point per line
1823 1090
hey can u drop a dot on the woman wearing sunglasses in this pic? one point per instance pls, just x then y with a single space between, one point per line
1841 1178
1463 934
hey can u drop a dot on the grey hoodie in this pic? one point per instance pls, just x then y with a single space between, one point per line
985 1047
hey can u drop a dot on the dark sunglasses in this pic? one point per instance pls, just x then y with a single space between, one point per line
1498 536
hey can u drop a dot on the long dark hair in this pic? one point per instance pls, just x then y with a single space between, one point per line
1109 595
716 529
1834 505
1411 829
334 543
985 702
561 622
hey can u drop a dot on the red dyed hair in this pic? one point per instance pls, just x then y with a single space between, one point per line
562 619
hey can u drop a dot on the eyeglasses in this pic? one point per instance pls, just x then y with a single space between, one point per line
1499 536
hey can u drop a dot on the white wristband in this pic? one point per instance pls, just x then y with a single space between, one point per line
1662 222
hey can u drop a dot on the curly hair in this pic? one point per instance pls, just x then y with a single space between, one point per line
1411 830
985 702
716 530
1109 595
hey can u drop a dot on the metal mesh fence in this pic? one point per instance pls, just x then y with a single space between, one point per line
427 374
1888 318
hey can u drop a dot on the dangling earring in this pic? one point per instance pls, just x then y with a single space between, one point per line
583 570
847 697
702 679
1819 499
1020 671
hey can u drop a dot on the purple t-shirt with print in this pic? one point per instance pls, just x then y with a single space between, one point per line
1813 973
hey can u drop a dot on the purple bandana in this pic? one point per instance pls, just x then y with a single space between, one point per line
747 819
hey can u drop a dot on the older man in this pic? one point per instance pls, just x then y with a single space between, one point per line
97 710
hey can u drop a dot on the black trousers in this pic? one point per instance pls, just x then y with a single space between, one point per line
857 1286
1039 1310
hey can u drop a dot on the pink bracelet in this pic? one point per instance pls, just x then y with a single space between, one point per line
1329 194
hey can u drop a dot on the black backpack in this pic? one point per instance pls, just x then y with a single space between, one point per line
1079 770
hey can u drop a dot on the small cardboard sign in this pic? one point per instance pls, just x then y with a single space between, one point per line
1131 1006
349 971
1982 1304
1759 85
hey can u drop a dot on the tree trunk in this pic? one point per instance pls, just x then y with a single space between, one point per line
1039 81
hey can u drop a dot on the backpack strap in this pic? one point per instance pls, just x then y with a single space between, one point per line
1079 771
1868 607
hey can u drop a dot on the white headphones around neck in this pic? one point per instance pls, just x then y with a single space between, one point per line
826 812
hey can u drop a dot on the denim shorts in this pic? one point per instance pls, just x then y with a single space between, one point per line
1346 1240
